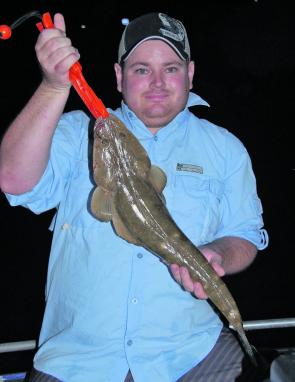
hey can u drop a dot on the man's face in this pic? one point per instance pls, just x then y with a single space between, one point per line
155 83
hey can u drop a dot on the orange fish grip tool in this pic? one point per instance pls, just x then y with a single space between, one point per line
93 103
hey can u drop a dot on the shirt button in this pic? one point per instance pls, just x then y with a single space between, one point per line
140 255
134 301
155 138
129 342
65 226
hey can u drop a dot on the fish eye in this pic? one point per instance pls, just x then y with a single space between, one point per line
104 141
101 139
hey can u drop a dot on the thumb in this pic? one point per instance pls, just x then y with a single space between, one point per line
59 22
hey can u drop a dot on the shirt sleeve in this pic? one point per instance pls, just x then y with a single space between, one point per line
65 150
240 207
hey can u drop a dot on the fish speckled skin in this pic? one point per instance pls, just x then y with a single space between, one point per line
129 194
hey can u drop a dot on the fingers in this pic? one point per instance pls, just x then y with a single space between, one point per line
59 22
199 291
218 269
186 280
175 270
56 55
51 40
61 59
182 276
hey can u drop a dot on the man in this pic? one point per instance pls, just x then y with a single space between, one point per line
113 310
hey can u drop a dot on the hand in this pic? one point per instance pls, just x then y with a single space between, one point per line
56 55
182 276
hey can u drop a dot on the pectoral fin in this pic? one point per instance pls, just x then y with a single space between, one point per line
158 178
101 204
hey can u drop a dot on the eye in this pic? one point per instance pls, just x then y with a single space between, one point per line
104 141
172 69
141 71
122 135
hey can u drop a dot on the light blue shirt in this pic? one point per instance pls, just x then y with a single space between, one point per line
111 305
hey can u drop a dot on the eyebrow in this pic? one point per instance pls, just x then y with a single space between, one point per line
165 64
138 63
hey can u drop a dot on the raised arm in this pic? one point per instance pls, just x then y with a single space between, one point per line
25 147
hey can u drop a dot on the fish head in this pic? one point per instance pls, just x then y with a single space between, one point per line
116 152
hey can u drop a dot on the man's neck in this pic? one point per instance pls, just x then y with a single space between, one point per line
154 130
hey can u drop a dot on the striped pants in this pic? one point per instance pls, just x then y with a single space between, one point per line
225 363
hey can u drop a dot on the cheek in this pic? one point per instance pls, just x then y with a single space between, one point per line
136 85
132 90
180 84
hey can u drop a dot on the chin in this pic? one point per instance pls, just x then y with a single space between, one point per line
157 121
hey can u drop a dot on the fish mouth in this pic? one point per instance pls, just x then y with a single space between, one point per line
100 123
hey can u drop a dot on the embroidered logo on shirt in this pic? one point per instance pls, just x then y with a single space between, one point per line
189 168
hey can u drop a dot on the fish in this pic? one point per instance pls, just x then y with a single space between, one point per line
129 193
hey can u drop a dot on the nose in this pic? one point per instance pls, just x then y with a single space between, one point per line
157 79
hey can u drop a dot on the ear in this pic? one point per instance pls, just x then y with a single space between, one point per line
118 71
191 71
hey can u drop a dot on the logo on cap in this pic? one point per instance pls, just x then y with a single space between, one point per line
173 28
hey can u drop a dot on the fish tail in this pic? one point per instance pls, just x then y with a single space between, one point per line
249 349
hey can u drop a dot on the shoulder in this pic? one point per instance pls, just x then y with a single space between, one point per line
76 117
215 134
73 125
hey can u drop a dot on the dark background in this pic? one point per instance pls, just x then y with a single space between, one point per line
244 54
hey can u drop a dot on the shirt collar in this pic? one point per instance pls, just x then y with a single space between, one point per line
194 100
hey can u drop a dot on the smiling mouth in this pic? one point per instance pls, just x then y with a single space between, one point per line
156 97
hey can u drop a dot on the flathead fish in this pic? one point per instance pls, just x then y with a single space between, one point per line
129 194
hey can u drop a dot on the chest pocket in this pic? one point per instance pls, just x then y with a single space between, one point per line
195 205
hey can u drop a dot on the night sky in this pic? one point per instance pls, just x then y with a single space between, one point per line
245 70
